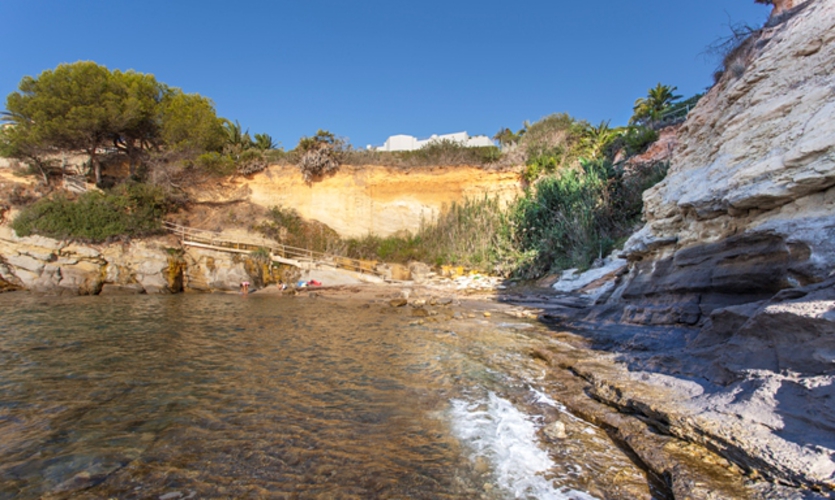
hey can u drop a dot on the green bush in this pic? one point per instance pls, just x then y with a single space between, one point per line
444 153
126 211
474 234
287 227
564 220
637 139
216 163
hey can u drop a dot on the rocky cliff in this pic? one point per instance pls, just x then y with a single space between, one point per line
357 201
748 207
152 266
725 303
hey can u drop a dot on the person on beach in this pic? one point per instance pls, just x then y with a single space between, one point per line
245 287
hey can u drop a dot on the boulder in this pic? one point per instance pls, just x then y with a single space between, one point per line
595 282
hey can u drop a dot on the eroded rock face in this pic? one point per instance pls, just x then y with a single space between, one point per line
358 200
748 207
46 265
151 266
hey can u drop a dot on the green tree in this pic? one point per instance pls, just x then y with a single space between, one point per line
18 143
647 110
85 107
596 139
72 107
190 124
135 128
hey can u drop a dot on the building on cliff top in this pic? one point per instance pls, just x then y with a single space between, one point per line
410 143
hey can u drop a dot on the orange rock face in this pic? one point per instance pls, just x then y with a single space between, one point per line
782 6
357 201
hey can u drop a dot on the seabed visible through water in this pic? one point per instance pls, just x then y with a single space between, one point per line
221 396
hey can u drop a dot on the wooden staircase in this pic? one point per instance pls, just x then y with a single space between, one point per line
283 254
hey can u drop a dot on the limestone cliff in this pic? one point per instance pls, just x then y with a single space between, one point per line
152 266
748 207
739 242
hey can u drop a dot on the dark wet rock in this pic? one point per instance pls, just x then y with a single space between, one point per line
697 280
115 289
686 312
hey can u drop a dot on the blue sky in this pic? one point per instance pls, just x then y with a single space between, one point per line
369 69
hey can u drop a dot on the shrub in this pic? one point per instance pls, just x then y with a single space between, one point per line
474 233
216 163
251 161
438 153
126 211
561 220
319 155
578 215
287 227
734 51
637 139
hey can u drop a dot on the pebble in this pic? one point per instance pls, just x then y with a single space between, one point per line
555 430
398 302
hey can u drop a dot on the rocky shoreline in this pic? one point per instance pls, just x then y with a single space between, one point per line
679 397
646 386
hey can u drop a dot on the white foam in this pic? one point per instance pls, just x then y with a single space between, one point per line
541 397
495 430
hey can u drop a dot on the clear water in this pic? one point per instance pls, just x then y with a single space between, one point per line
222 396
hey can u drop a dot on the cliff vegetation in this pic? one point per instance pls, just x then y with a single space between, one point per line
146 144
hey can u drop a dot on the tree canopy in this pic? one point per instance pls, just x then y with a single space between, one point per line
649 109
84 106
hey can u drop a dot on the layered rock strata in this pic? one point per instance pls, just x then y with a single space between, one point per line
150 266
357 201
724 325
748 207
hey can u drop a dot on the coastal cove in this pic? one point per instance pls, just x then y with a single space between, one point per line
567 311
335 393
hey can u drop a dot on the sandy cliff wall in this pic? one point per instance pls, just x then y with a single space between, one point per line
380 200
748 207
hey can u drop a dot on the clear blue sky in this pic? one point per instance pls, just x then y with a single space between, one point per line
369 69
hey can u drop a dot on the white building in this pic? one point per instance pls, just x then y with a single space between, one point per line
410 143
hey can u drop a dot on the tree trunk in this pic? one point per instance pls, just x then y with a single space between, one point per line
94 163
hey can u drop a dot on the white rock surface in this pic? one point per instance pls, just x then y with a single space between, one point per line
755 148
594 282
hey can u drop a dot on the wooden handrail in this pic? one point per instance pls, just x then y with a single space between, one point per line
215 240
